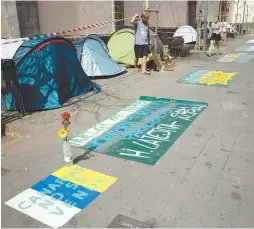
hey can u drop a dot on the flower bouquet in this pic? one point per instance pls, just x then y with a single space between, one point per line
63 134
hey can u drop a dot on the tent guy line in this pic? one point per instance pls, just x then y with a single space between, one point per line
66 31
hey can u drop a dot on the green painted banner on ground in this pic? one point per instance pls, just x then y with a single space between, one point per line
143 131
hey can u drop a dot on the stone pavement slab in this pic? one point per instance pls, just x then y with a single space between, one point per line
204 180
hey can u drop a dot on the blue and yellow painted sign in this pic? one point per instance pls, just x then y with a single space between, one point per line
208 78
57 198
240 58
250 41
245 49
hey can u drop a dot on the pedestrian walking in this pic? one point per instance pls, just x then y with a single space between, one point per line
215 36
142 40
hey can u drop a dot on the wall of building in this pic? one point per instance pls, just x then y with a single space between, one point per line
248 15
62 15
171 13
213 9
5 31
10 22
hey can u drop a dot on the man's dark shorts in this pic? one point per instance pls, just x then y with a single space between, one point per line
141 50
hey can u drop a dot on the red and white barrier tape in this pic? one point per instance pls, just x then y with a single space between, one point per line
172 32
67 31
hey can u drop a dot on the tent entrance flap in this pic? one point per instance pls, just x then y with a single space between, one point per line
95 58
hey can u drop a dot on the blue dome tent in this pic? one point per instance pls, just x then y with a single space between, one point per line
95 58
49 74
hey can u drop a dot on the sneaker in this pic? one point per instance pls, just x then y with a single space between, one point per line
146 73
208 54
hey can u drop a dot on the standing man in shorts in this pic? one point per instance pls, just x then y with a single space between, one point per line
142 40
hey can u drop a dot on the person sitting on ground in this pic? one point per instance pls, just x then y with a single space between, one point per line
159 54
168 60
157 51
142 40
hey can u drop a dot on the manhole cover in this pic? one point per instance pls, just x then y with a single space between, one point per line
4 171
121 221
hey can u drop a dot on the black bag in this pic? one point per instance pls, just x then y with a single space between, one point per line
175 41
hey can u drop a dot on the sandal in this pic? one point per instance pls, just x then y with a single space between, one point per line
208 54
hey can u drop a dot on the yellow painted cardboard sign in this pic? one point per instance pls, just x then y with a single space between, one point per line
231 57
240 58
85 177
208 78
57 198
216 77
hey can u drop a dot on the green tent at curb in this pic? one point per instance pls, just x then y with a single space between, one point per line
121 46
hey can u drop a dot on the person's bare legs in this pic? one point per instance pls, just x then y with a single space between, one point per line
218 47
136 63
211 47
144 62
159 62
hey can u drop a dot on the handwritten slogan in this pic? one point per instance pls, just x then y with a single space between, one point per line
142 132
57 198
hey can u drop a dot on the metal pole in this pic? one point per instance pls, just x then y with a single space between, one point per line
237 11
237 7
199 18
247 19
147 4
205 24
222 4
243 16
157 19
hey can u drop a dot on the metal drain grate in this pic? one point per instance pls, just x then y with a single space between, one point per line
4 171
121 221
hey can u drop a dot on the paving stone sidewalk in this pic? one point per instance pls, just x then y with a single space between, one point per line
204 180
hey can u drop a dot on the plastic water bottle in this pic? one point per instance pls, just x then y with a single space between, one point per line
67 153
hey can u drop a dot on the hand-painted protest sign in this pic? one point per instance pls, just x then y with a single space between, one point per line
250 41
41 207
208 78
142 132
245 49
56 199
240 58
66 191
86 178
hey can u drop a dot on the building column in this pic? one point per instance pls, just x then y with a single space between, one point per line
12 18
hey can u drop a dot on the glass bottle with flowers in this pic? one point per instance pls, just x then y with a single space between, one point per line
63 134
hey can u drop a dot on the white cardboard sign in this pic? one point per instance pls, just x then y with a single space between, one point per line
43 208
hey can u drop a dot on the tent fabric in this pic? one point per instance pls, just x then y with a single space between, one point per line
121 46
49 74
95 59
188 33
8 50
